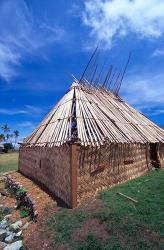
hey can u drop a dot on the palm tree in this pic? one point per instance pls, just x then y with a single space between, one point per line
11 137
5 128
7 137
16 135
2 137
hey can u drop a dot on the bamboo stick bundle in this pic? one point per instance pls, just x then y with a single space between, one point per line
78 115
118 132
83 130
64 129
97 115
92 128
88 126
81 124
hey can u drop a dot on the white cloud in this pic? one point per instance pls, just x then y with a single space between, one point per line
109 19
28 109
8 58
27 124
12 111
158 52
156 112
34 109
22 34
145 92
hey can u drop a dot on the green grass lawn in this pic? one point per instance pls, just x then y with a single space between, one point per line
8 162
121 224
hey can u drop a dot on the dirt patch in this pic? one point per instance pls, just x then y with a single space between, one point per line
38 239
91 226
64 247
91 205
149 235
36 236
122 238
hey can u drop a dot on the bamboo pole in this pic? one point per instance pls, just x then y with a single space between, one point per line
127 197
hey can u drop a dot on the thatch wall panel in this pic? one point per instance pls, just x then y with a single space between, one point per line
50 167
109 165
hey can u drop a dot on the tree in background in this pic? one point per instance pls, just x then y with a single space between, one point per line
8 138
2 137
16 135
7 147
5 128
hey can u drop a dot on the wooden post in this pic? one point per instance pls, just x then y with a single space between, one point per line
74 165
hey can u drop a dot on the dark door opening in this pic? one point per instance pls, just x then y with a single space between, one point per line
154 155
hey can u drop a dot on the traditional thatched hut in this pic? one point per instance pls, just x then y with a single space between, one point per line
91 140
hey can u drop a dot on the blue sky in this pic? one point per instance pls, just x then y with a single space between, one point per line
43 42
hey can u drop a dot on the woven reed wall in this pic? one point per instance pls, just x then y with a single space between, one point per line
106 166
161 154
49 166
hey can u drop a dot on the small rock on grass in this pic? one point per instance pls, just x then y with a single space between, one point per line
18 234
8 232
7 210
4 193
15 226
17 245
2 234
3 224
2 245
7 216
9 238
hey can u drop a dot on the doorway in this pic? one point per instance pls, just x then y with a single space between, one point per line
154 155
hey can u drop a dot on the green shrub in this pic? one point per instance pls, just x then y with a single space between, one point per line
7 147
24 212
21 192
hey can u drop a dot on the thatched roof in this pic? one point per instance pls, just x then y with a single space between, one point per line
93 116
